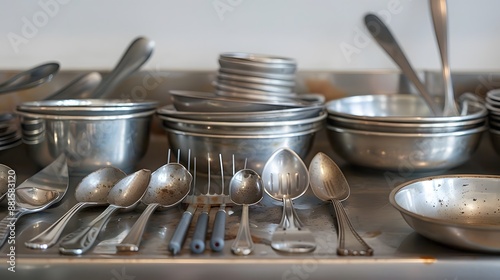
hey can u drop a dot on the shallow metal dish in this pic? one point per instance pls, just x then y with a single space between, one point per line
409 151
255 80
457 210
284 77
259 116
193 101
397 108
271 89
252 93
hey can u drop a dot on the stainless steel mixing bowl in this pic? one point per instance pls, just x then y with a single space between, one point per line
90 142
255 148
462 211
405 151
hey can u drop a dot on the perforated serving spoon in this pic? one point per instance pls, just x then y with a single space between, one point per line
329 184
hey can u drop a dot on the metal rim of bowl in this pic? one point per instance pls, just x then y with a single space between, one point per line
255 80
408 135
85 106
270 136
379 124
277 76
85 118
169 110
494 94
262 58
405 119
318 118
271 89
250 93
400 187
209 96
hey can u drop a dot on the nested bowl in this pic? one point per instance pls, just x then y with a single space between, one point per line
408 151
461 211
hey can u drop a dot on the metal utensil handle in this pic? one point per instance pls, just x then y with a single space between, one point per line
50 236
7 223
198 242
132 241
386 40
218 231
180 233
243 244
289 218
81 240
349 241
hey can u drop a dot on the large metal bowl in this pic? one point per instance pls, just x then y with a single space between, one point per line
255 148
401 108
408 151
90 142
462 211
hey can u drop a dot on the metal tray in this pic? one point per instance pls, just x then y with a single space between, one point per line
400 253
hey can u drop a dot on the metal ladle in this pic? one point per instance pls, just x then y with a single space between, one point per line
30 78
5 180
328 183
439 18
384 38
245 188
168 186
93 190
285 178
125 195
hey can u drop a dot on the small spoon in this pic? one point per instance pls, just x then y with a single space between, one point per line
7 177
79 88
30 78
285 178
93 190
384 38
439 18
134 57
168 186
245 188
125 195
328 183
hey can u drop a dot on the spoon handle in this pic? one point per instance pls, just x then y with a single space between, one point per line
132 241
50 236
349 241
8 225
81 240
289 218
243 244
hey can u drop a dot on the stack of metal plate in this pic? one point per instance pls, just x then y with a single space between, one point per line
9 132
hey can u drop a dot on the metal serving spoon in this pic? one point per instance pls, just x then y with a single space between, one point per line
168 186
384 38
328 183
245 188
125 195
134 57
37 193
30 78
93 190
5 180
439 18
78 88
285 178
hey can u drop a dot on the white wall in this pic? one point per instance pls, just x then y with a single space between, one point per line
189 34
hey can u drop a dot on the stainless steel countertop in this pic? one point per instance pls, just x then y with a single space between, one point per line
400 253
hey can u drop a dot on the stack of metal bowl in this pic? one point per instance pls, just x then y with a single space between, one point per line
256 76
207 123
93 133
493 105
9 131
399 132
